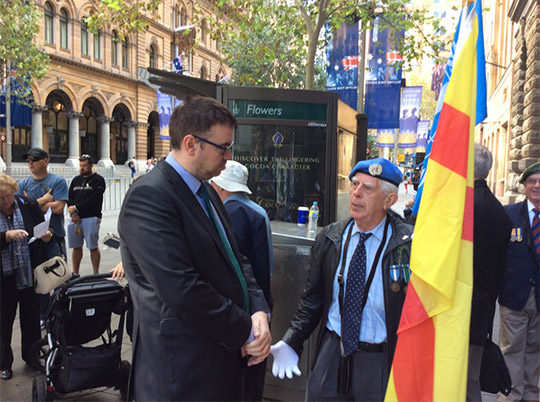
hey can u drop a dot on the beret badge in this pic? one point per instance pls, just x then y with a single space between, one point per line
375 169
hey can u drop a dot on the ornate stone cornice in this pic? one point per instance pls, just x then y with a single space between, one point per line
93 69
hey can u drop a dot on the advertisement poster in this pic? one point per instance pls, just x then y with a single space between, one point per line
383 80
385 138
422 133
164 102
342 71
409 116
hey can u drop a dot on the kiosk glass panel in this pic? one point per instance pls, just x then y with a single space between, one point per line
286 167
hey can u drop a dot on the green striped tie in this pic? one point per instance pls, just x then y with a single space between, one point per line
226 244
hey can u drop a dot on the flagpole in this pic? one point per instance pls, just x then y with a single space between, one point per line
8 119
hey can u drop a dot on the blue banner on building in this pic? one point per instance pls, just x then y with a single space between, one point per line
21 113
383 80
411 98
164 102
342 71
422 133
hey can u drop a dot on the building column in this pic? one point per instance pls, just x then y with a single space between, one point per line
37 126
74 139
132 140
105 160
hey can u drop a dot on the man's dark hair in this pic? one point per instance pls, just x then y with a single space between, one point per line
196 115
88 158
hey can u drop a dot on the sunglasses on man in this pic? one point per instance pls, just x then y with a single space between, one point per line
33 160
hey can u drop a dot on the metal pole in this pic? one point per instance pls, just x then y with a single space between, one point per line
8 119
361 68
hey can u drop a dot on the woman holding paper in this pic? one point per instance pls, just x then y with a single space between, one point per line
18 216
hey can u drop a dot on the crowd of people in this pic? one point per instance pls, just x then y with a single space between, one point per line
198 256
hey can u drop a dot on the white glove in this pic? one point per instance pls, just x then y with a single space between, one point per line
285 361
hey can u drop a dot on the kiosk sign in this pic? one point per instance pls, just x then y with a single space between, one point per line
253 109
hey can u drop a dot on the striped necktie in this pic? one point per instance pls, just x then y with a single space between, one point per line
354 293
536 230
237 269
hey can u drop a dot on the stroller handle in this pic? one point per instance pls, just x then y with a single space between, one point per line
73 282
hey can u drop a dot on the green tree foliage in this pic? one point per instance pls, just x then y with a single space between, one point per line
126 15
19 25
300 23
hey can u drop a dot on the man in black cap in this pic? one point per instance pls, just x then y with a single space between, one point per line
358 278
519 336
50 191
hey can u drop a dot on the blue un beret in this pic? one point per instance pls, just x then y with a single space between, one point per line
380 168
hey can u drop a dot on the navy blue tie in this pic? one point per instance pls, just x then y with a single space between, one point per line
354 293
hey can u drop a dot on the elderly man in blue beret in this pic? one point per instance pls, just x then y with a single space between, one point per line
356 288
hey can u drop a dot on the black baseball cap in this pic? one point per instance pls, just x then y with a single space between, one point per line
37 152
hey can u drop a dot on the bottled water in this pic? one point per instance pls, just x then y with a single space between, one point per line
313 216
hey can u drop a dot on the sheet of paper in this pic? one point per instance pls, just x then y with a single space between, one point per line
41 228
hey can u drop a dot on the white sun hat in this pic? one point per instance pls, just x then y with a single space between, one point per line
233 178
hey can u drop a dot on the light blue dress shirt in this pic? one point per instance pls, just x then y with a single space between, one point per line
373 329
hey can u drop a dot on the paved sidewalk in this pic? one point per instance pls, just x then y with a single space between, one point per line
19 388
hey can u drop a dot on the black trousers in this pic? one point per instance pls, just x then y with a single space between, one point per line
28 303
369 374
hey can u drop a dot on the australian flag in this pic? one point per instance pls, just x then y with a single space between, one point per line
178 64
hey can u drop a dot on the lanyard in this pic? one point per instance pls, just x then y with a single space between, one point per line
371 273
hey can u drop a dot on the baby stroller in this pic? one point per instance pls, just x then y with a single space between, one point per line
80 313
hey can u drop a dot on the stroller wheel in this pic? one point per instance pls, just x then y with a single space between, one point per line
39 390
38 354
123 379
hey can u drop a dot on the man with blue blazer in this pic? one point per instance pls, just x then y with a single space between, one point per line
199 315
519 299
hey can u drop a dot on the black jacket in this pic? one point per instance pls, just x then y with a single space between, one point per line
32 215
491 236
317 298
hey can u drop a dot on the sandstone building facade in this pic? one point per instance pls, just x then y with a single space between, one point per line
93 100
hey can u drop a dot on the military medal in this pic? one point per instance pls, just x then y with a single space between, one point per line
394 274
513 237
519 237
406 273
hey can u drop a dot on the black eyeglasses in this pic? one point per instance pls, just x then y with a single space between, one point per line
223 149
33 160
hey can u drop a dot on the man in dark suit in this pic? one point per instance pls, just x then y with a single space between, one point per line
251 228
519 336
491 236
197 307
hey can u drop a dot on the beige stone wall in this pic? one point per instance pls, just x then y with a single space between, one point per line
80 77
525 109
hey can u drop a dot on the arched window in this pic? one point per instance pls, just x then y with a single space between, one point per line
97 45
114 48
183 17
203 72
203 31
49 23
84 38
124 53
152 61
176 17
64 29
